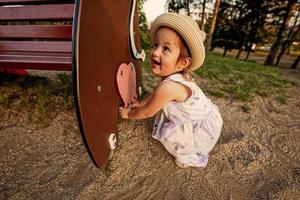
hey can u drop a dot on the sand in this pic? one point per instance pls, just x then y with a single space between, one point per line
256 157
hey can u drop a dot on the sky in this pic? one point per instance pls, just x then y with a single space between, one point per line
153 8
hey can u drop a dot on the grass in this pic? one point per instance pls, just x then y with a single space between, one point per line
245 108
282 98
4 100
40 96
241 80
146 65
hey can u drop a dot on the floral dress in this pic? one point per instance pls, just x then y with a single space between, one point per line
190 129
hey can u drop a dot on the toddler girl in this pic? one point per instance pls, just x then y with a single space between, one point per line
187 123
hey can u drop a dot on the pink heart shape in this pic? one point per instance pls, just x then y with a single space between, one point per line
126 82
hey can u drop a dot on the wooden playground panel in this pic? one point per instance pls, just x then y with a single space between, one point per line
91 38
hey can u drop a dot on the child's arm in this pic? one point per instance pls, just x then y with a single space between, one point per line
143 102
164 93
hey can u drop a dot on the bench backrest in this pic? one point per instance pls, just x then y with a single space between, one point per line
36 26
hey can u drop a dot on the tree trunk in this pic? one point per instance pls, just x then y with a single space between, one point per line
248 53
225 51
292 5
290 38
202 16
239 53
188 8
295 63
286 45
240 49
212 26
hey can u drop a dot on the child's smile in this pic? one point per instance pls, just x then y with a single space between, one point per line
155 61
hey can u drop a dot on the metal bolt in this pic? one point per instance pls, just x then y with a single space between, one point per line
99 88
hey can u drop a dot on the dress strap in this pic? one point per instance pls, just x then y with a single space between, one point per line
178 78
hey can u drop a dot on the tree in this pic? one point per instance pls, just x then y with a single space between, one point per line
294 30
252 18
290 9
144 32
176 5
295 63
212 25
202 19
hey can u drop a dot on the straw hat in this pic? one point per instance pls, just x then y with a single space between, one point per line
189 31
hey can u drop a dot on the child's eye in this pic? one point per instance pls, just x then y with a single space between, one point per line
155 46
166 49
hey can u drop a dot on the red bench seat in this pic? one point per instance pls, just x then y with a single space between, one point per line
36 34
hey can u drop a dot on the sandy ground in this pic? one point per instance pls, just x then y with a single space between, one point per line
256 157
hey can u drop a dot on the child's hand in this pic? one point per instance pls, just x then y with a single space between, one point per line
124 112
135 104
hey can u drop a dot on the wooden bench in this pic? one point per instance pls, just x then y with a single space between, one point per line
36 34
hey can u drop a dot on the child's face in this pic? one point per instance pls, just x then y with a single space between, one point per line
165 53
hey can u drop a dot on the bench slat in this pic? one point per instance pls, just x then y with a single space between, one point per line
37 12
36 46
51 61
33 54
36 31
14 2
40 66
36 59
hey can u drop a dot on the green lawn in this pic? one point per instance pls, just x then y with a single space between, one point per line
241 80
220 77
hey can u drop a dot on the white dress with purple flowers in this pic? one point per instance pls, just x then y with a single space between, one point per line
190 129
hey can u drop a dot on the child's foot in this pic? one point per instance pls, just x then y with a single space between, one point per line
181 165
